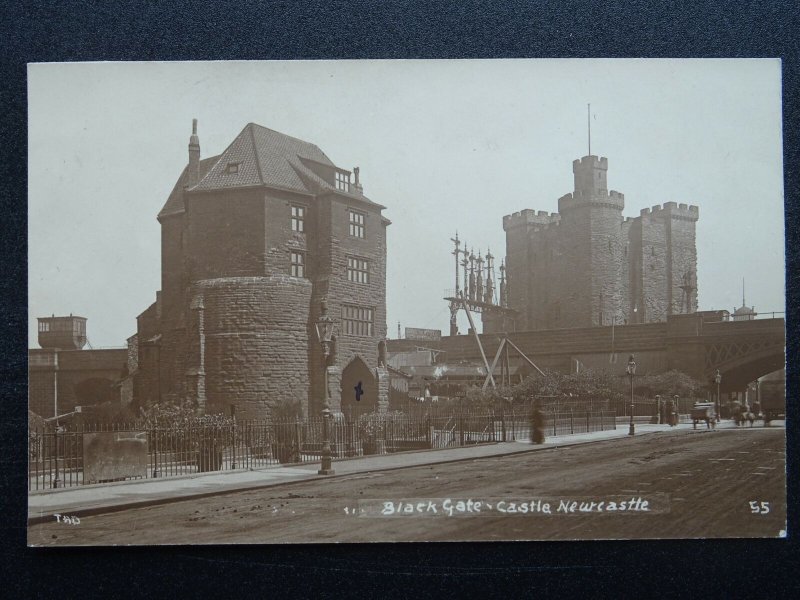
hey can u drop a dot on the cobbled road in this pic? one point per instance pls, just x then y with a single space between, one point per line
723 483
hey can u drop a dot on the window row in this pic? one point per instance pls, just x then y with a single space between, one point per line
62 325
357 268
356 221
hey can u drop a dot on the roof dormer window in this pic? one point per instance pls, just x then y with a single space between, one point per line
342 181
231 168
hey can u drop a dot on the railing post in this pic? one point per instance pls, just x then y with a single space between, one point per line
154 435
587 421
233 444
56 481
297 434
571 421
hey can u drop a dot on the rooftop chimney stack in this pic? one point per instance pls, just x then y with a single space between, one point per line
357 184
194 157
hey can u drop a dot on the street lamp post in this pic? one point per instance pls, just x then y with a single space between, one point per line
658 409
57 430
631 370
718 380
325 326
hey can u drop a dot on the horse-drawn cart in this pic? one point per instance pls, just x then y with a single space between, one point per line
704 411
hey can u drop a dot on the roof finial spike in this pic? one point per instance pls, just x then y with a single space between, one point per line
194 126
743 302
589 124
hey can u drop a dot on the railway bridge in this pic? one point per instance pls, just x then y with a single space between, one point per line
697 344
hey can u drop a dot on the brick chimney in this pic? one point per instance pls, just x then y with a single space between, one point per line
358 188
194 157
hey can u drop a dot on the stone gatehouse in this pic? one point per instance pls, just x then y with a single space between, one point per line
252 241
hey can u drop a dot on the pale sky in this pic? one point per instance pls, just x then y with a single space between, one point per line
445 145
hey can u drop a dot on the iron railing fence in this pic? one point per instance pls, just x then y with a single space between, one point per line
648 407
57 458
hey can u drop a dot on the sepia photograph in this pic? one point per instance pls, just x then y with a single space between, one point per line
293 302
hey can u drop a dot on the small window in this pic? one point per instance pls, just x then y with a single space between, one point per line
357 270
357 224
44 326
342 181
298 219
233 167
357 320
297 264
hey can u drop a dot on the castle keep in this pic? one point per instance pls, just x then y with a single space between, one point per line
252 241
588 266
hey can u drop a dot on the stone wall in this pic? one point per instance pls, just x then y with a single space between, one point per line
334 246
225 234
256 342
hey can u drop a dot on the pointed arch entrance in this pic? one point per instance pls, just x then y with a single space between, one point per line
354 373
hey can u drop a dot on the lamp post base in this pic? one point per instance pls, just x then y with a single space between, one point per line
631 430
326 472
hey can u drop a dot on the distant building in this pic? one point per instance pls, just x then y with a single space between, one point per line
64 333
744 312
587 266
252 240
62 375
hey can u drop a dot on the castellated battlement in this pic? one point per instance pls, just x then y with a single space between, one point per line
529 217
672 210
600 198
592 161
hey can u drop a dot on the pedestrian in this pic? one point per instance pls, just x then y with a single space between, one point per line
537 424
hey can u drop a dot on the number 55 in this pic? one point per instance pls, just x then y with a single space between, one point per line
759 508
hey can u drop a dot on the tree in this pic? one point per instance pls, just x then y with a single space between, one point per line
583 386
669 384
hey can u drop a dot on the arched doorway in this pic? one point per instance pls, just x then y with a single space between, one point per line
355 373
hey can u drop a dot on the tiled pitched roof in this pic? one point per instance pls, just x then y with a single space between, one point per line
174 203
263 157
266 157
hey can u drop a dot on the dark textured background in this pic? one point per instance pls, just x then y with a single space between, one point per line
179 30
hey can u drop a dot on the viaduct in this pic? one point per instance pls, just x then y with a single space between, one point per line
697 344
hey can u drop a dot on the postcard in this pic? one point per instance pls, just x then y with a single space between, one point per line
405 300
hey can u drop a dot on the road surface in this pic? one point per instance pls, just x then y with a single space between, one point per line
724 483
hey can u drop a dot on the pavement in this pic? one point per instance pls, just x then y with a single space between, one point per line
88 500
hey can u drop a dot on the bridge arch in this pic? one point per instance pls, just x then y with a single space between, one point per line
739 370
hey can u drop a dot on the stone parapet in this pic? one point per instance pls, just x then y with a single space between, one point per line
529 217
672 210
